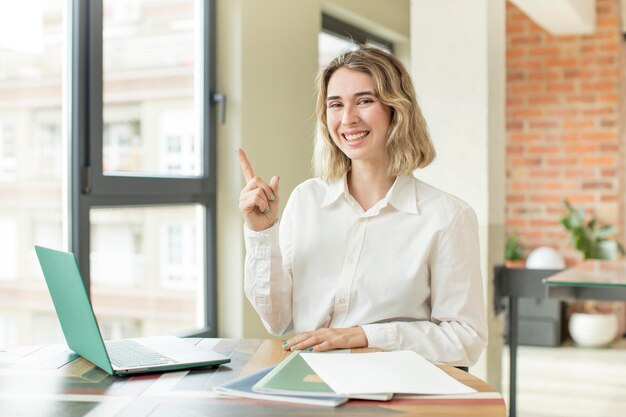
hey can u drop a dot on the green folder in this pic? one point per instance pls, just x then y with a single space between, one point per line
294 376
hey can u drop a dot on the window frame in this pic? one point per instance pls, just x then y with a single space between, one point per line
90 188
336 27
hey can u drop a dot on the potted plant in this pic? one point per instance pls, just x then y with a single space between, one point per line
513 252
593 241
588 325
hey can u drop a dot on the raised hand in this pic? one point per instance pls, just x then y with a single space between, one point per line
258 201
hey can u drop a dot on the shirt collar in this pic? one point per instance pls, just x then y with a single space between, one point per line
334 190
402 195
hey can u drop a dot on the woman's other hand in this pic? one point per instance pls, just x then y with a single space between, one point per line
258 201
324 339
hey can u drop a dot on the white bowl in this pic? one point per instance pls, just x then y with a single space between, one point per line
545 257
593 330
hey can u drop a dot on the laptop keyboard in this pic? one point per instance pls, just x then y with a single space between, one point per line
130 354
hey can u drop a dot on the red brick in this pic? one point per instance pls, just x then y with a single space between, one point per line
526 88
514 27
598 85
597 185
543 149
530 235
562 112
544 75
525 39
513 102
561 161
516 198
580 149
578 123
543 99
521 186
610 21
599 111
560 185
544 198
607 123
543 223
562 62
525 161
514 125
588 49
512 53
581 198
515 76
514 149
515 223
579 173
543 124
581 98
604 7
599 161
608 173
609 148
525 64
565 87
527 112
543 173
609 72
578 73
610 98
599 135
525 137
544 50
599 60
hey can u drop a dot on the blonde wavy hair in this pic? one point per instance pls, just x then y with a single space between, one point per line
408 142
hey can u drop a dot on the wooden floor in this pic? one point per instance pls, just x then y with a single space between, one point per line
570 381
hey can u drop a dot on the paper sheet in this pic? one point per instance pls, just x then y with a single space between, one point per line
383 372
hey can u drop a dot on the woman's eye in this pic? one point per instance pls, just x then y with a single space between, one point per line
365 101
334 105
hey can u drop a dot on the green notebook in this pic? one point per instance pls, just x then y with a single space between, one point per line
294 376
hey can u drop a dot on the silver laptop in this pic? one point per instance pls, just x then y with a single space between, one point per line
119 357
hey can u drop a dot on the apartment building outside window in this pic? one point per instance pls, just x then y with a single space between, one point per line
106 150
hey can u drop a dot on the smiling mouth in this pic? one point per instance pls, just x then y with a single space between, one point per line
354 137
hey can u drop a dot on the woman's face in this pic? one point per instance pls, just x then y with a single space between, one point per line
357 120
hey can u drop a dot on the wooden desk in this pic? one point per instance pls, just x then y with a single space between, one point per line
50 380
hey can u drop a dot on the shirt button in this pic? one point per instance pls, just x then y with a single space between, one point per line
350 260
342 300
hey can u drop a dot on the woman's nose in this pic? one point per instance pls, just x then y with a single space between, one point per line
350 116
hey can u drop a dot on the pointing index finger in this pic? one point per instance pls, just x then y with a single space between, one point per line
246 167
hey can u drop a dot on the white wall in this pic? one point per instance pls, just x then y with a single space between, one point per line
458 66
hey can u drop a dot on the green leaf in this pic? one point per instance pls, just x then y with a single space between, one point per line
586 237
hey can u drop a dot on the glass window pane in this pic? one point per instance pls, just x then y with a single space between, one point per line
151 87
147 269
331 46
32 164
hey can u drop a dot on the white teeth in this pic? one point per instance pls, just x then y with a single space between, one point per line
355 137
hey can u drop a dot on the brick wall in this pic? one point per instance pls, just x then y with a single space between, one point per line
563 127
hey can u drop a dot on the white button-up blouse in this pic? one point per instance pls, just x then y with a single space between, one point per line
407 270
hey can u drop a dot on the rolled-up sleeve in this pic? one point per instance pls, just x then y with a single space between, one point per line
267 278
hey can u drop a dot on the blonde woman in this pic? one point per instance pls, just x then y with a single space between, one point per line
365 254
